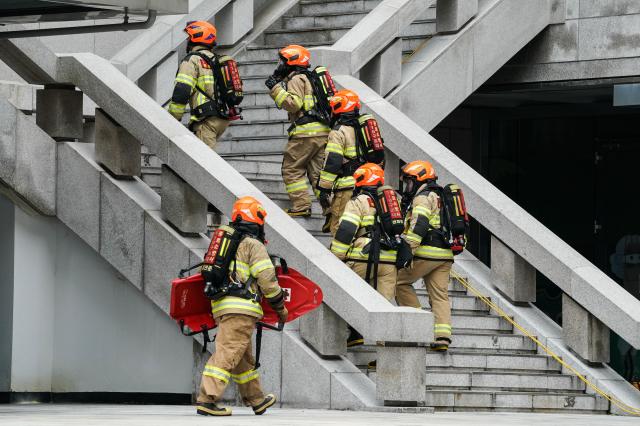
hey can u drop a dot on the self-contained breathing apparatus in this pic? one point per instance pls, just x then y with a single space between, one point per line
388 225
454 219
227 91
369 141
323 89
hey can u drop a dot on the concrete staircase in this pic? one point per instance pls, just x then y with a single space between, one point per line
490 367
254 145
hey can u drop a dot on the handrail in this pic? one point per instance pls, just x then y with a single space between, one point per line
505 219
371 35
218 182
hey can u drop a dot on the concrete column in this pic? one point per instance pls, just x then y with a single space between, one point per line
511 274
234 21
384 72
325 331
583 332
116 149
59 111
158 81
182 206
452 15
401 375
391 169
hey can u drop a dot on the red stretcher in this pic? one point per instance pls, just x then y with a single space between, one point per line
191 309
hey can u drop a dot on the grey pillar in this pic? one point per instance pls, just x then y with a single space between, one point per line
384 72
583 332
391 169
59 111
234 21
116 148
511 274
451 15
158 81
401 375
181 205
325 331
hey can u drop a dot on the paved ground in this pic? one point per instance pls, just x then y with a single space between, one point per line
121 415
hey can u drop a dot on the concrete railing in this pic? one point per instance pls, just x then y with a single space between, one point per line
529 242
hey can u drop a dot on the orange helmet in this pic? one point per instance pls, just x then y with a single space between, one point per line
344 101
421 170
248 209
201 32
295 55
369 174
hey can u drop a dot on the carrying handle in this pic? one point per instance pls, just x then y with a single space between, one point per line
190 268
278 327
282 261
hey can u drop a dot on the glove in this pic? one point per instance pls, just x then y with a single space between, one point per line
283 314
271 82
325 202
404 255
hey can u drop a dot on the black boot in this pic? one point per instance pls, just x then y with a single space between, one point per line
211 409
355 338
441 344
326 227
267 402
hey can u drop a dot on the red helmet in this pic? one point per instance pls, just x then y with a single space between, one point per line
201 32
248 209
421 170
369 174
344 101
295 55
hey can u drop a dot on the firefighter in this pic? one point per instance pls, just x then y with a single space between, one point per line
340 159
303 156
354 239
236 316
433 257
195 84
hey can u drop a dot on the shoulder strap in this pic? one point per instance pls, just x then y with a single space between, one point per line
215 68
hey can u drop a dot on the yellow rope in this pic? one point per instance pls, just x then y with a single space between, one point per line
612 399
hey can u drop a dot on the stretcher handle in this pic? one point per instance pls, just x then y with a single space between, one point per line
190 268
278 327
282 261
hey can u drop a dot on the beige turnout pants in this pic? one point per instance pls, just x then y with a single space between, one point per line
338 203
232 360
210 129
435 274
387 275
301 165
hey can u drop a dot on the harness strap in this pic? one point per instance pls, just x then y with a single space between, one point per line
258 344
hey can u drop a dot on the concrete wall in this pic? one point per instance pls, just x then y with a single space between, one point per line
100 334
600 39
6 291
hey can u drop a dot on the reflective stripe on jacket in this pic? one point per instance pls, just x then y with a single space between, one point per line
252 261
350 238
340 149
296 98
423 216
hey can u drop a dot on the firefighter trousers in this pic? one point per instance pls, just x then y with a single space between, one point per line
387 275
210 130
435 274
232 360
301 165
338 204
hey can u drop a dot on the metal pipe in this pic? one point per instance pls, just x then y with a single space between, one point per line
44 32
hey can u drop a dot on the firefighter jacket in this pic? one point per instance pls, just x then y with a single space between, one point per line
422 226
353 237
194 72
295 95
252 262
338 154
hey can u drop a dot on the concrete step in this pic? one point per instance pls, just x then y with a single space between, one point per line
256 128
503 381
270 144
256 169
479 322
489 341
263 113
328 20
458 358
258 53
282 37
307 8
458 302
258 97
257 67
445 400
253 83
